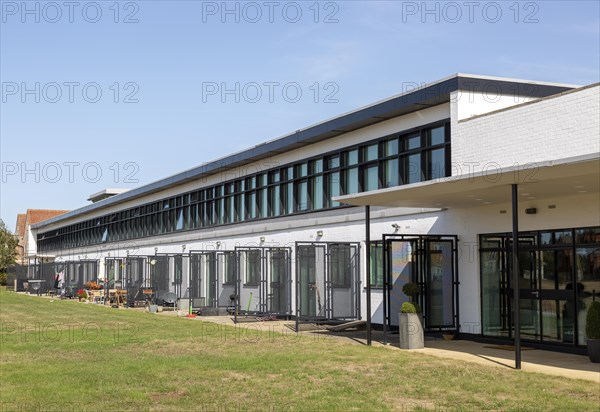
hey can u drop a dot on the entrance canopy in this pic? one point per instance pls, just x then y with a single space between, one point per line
569 176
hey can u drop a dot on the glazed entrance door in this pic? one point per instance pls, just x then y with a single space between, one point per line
203 279
529 288
546 291
327 281
402 267
556 295
438 282
279 280
311 281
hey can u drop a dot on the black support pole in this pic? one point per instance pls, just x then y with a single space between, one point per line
515 265
386 292
368 258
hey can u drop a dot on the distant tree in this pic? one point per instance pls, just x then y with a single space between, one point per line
8 247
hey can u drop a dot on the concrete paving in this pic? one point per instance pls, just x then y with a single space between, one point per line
542 361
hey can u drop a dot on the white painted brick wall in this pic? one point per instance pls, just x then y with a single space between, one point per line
548 129
468 224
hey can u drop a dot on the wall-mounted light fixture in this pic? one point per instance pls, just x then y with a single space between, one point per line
153 262
155 250
262 239
396 227
183 248
218 244
319 233
531 211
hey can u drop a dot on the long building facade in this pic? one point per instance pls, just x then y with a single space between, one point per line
281 229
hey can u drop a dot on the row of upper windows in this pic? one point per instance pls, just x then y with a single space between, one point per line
309 185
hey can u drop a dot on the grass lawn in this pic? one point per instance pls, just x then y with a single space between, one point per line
64 355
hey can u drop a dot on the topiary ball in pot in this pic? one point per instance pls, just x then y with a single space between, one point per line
411 289
592 324
592 329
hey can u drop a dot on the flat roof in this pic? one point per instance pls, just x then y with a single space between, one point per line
419 98
568 176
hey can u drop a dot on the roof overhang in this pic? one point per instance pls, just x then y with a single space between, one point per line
564 177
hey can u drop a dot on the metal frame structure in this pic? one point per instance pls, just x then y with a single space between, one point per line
76 273
134 278
165 275
40 275
274 296
327 294
116 279
420 271
215 264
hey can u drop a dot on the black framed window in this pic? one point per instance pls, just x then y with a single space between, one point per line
252 267
289 198
308 185
229 262
302 196
376 264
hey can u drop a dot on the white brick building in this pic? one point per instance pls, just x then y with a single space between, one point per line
262 230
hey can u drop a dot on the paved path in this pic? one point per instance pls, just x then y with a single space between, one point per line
542 361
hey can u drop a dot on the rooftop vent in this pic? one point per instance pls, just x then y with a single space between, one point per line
105 194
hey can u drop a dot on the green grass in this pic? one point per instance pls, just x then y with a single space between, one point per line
64 355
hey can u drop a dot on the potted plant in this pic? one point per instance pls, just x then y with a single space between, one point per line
81 294
411 326
592 329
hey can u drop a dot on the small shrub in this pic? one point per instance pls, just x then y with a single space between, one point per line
410 289
82 294
592 323
408 307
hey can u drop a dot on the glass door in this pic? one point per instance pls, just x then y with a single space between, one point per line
529 287
401 268
438 290
159 276
311 281
431 262
556 295
203 279
278 281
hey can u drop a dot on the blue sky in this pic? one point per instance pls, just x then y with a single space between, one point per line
161 69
